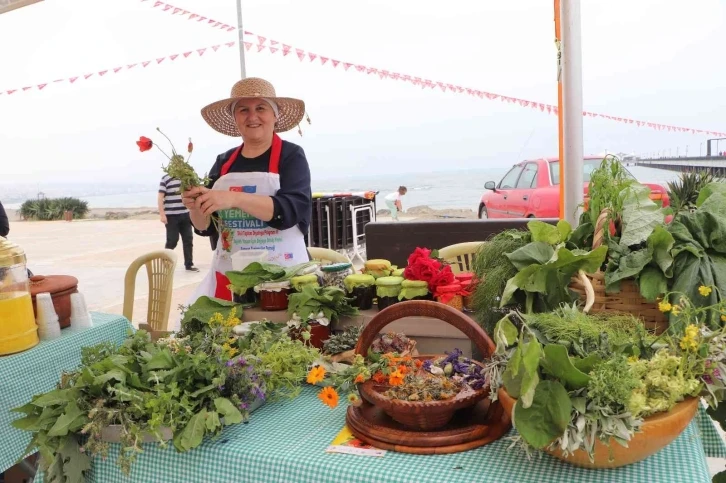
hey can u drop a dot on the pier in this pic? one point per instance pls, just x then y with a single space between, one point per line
716 165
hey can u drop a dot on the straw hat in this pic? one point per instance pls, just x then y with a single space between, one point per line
219 114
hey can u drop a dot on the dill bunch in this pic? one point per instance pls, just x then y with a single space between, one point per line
493 270
569 324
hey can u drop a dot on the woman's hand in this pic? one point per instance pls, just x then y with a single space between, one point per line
189 197
210 201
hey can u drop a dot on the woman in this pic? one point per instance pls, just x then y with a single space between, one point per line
393 201
259 196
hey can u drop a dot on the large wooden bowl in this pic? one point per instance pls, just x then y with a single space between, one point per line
422 416
657 432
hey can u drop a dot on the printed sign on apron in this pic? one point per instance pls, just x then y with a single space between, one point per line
240 231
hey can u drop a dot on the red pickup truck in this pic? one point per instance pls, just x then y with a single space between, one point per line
531 190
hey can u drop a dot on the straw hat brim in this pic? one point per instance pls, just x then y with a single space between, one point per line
219 116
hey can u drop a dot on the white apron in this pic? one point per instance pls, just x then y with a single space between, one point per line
241 231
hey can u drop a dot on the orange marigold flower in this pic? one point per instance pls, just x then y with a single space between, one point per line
395 379
329 396
379 377
419 363
316 374
359 378
403 370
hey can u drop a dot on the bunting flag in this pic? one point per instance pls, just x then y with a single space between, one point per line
272 47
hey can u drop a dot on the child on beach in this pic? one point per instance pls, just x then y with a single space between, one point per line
393 201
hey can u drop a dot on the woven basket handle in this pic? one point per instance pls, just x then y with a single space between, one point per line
424 308
602 221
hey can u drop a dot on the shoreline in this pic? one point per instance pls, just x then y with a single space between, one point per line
422 212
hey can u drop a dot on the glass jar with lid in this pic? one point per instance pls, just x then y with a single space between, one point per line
387 290
362 288
18 331
335 273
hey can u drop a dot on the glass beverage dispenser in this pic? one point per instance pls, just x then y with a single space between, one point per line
18 331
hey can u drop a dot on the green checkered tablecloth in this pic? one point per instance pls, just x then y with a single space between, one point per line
285 442
39 369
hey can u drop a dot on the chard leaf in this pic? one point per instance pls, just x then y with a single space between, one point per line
505 334
547 417
549 234
653 283
532 253
708 190
229 412
193 432
640 216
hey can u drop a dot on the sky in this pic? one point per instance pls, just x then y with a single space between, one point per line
652 60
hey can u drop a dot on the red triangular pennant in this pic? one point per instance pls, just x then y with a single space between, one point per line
145 63
442 86
116 69
541 107
11 91
201 51
230 44
185 12
274 42
131 66
193 16
335 63
323 60
216 24
40 86
26 88
300 54
383 74
102 73
201 19
248 33
160 60
248 46
360 68
549 109
186 54
156 4
86 76
73 79
176 10
166 7
59 80
215 47
371 70
260 47
261 39
231 29
395 75
312 56
347 65
172 57
273 49
210 21
285 49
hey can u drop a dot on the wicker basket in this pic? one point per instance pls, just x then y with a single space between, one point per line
628 300
430 415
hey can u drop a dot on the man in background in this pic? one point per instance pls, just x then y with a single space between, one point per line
175 216
4 223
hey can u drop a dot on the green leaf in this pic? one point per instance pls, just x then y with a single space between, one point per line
719 477
640 216
193 432
653 283
579 403
74 462
660 244
505 334
161 359
521 375
628 267
254 274
55 397
532 253
587 364
73 418
558 363
212 421
546 233
230 413
113 374
547 417
565 229
708 190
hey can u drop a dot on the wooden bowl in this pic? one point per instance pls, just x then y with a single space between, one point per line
429 415
420 415
657 432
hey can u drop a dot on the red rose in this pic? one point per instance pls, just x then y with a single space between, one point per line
418 254
422 269
443 277
144 143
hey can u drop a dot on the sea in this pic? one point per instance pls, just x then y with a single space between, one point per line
439 190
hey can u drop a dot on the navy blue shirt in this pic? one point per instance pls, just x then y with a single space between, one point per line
293 202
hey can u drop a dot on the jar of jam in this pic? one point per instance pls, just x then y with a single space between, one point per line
248 298
468 284
397 272
387 290
335 273
362 288
450 295
273 295
377 268
414 290
304 280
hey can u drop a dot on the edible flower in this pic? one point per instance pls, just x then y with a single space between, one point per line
329 396
395 378
704 291
144 143
688 342
316 374
664 306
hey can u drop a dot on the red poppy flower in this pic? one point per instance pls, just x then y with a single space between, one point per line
190 146
144 143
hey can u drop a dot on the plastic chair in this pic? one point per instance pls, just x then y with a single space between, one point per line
327 256
460 256
160 267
